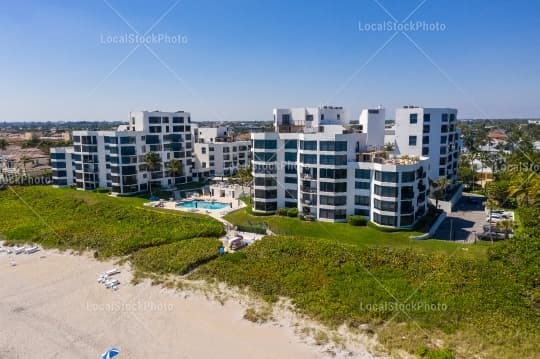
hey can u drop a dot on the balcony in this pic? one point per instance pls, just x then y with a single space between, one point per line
306 189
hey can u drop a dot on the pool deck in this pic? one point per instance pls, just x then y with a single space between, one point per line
215 213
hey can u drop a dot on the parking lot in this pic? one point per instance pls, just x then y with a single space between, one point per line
462 224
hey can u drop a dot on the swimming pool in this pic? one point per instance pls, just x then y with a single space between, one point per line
203 205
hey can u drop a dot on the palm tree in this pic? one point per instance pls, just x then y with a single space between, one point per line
175 168
440 189
244 177
152 164
525 188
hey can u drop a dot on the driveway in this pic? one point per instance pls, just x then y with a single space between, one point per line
468 218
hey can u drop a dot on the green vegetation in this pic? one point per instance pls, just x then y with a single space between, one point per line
344 233
252 228
357 221
469 303
66 218
431 298
178 257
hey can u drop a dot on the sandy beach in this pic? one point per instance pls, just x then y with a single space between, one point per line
51 306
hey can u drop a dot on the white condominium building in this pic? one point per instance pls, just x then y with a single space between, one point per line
117 159
329 172
217 153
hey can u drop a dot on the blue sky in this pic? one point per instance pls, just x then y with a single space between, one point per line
241 58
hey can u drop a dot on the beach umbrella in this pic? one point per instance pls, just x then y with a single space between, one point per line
111 353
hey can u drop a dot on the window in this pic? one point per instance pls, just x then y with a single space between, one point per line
406 207
308 159
154 120
386 176
425 129
427 117
444 128
362 200
333 200
361 212
266 144
362 174
291 194
267 194
291 144
444 117
413 118
338 160
308 145
291 180
128 151
290 156
333 145
385 205
425 140
260 169
412 140
385 220
386 191
333 187
407 192
443 139
452 117
425 151
332 214
333 173
309 118
286 119
165 119
265 206
178 120
362 185
407 176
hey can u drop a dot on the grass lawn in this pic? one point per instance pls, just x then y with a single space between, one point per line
345 233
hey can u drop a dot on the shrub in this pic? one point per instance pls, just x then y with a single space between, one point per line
357 221
293 212
282 212
251 228
178 258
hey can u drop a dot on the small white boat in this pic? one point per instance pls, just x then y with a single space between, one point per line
18 250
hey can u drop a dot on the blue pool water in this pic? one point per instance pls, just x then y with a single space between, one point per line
203 205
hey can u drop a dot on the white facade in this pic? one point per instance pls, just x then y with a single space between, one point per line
372 123
429 132
217 153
